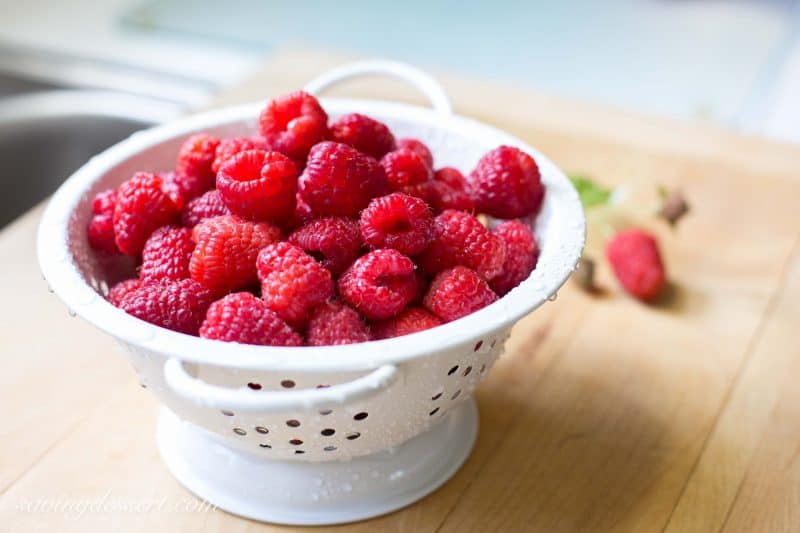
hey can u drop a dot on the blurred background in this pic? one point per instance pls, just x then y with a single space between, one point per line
735 62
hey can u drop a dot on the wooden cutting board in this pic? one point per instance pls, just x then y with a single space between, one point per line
604 414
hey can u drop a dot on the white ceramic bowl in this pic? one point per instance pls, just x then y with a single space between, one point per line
379 394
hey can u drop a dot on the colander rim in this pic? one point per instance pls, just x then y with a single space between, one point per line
562 212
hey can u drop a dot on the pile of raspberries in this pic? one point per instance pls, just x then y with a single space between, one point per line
310 233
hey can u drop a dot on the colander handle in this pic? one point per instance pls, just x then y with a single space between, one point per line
244 399
425 83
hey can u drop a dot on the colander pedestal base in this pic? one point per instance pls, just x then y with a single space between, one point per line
299 493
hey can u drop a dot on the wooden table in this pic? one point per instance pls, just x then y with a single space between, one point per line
604 414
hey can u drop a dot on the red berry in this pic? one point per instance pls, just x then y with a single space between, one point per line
366 135
452 191
103 202
412 320
177 305
141 207
332 323
121 289
193 171
427 192
339 180
379 284
636 261
259 185
460 239
404 168
224 258
166 254
506 183
293 123
228 148
521 255
457 292
302 214
101 233
334 242
417 146
397 221
208 205
292 282
243 318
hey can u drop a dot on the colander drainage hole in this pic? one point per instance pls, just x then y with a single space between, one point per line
456 394
467 371
494 343
436 396
325 412
254 386
453 370
262 430
433 412
239 431
478 346
328 432
287 384
299 452
265 445
360 416
293 423
296 442
227 413
353 436
483 369
329 448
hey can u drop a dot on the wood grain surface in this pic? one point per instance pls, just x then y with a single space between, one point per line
603 415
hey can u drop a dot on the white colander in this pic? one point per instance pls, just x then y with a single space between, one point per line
310 435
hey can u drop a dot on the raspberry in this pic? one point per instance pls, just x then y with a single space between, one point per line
417 146
452 191
521 255
457 292
292 282
379 284
243 318
224 257
302 214
340 181
177 305
166 254
141 207
460 239
121 289
636 261
101 233
103 202
208 205
397 221
404 168
194 174
412 320
228 148
366 135
506 183
293 123
259 185
332 323
334 242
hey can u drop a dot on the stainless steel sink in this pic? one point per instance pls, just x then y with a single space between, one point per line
46 135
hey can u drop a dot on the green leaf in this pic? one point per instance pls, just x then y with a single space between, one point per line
590 193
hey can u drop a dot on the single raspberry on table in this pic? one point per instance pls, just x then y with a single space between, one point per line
293 123
121 289
101 233
334 241
142 206
379 284
415 145
243 318
506 183
166 254
363 133
339 180
521 255
193 172
177 305
224 257
207 205
104 202
460 239
333 323
404 168
412 320
292 282
228 148
636 262
259 185
457 292
452 191
397 221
